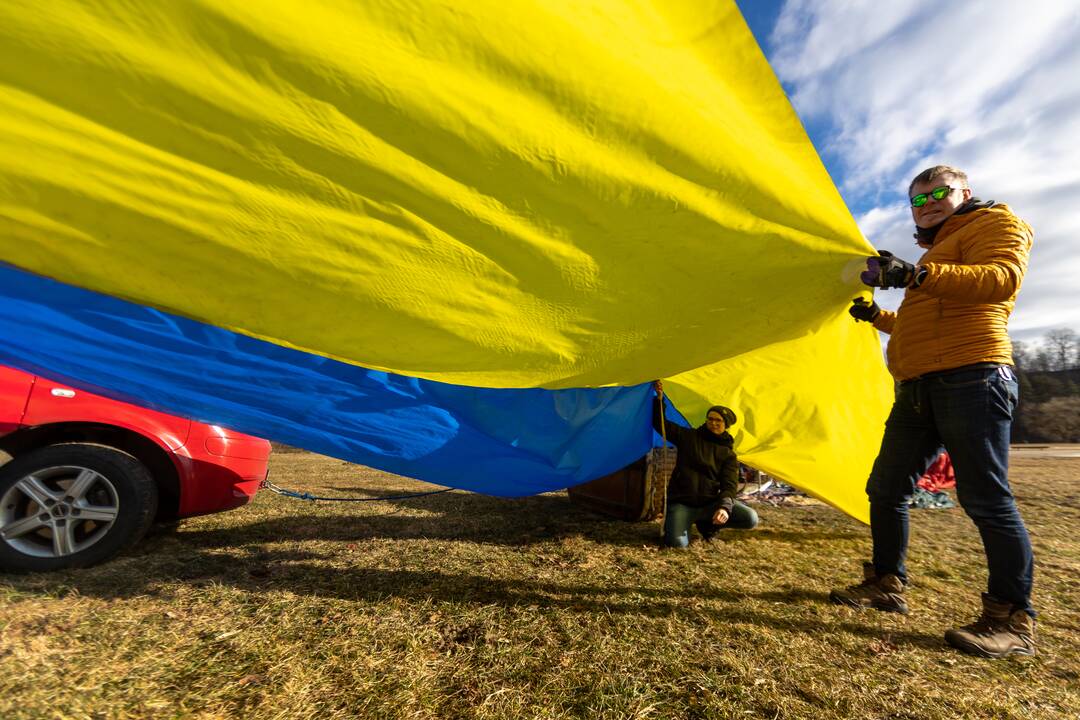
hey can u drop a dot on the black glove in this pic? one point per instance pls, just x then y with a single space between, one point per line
887 271
862 310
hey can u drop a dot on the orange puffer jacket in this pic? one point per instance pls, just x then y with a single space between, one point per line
959 315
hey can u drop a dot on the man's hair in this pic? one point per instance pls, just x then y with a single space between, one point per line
933 173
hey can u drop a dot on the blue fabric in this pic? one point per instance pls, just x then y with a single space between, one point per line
969 411
495 441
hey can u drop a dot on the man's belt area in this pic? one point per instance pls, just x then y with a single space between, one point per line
961 369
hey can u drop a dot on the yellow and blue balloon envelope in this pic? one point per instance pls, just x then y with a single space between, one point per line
451 241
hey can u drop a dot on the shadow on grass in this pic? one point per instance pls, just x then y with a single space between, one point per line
241 557
476 518
305 573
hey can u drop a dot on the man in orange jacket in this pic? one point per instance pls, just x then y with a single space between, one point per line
951 357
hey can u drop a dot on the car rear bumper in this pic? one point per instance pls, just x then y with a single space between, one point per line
215 481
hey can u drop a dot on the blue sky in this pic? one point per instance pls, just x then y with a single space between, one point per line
887 89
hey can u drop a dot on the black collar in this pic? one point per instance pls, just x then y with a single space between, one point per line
723 438
924 237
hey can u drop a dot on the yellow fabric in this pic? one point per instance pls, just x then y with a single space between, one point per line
960 314
517 193
811 410
506 193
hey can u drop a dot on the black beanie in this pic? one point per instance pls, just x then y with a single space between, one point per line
727 413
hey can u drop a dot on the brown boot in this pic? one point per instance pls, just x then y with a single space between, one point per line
880 593
998 632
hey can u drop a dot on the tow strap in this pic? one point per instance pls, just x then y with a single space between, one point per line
308 496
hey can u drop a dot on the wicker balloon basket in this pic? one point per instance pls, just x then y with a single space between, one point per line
659 463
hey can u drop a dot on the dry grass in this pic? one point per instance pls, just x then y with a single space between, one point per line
461 605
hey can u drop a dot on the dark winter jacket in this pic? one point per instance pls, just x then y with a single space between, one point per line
706 469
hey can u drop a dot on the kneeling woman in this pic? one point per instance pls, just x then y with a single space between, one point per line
706 477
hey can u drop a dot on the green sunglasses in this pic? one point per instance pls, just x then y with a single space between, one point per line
937 193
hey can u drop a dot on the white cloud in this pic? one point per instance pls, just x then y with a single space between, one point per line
977 85
886 221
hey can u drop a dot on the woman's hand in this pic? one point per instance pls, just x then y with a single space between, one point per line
721 517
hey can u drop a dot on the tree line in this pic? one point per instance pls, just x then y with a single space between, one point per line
1049 375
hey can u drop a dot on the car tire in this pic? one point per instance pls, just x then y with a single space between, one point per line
72 505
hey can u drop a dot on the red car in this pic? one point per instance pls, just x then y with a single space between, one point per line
88 475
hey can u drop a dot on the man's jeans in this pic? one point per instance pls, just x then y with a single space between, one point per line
969 411
679 517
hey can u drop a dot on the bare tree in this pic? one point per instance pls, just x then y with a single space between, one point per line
1061 344
1043 359
1021 354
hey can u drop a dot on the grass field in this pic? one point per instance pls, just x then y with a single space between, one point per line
461 605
